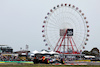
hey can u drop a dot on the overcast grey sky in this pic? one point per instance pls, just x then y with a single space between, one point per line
21 21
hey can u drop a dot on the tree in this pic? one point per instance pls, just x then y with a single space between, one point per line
95 51
86 52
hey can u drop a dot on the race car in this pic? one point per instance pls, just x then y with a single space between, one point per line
47 60
41 60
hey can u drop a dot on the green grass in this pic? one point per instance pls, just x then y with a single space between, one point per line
47 65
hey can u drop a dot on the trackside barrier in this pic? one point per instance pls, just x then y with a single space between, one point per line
83 60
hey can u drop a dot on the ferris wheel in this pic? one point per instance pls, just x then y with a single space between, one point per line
65 29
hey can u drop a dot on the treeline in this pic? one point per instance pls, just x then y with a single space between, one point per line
93 52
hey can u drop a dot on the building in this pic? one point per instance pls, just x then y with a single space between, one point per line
6 49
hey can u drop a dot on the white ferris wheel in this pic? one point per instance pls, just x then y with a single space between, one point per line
65 29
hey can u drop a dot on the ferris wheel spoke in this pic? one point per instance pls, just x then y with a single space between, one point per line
54 20
78 44
73 21
52 30
54 39
54 23
80 32
75 17
79 35
79 41
53 35
53 27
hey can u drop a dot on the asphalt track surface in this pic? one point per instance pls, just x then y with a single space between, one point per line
82 63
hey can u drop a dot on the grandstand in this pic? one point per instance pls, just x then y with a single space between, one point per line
5 49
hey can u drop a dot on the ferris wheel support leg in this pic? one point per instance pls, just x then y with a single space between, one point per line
71 45
60 44
57 44
64 46
67 43
62 41
74 44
